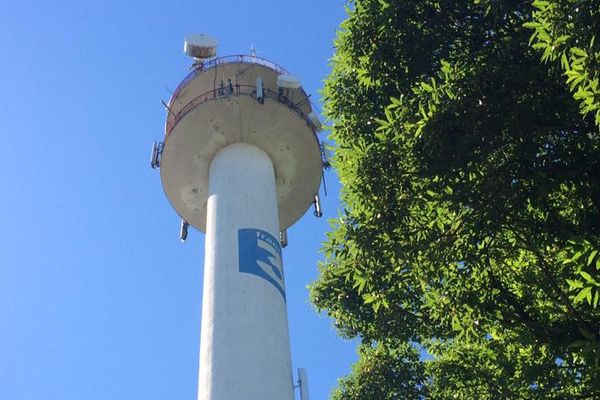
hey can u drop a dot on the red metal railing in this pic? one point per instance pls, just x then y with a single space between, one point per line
233 90
241 58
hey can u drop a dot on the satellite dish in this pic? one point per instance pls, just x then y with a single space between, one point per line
200 46
288 82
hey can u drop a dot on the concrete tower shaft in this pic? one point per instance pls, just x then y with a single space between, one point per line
241 161
245 351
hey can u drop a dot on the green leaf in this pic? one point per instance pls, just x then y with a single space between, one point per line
359 283
579 344
591 257
565 62
440 225
574 284
383 5
587 277
577 255
587 334
455 323
531 25
582 294
578 52
376 306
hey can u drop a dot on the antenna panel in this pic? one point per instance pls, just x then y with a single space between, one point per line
288 82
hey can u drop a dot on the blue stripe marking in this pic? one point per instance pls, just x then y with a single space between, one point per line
260 255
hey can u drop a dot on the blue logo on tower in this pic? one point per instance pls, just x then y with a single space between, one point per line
260 255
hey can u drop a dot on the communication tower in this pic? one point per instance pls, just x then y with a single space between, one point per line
241 161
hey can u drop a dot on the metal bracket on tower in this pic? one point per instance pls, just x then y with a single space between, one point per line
314 120
325 165
324 159
283 239
183 230
157 148
317 204
302 384
303 102
324 182
260 90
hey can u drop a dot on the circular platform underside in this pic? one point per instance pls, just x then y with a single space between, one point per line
272 126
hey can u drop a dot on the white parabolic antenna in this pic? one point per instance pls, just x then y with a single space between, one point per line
200 46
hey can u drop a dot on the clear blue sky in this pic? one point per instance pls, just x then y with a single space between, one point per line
98 298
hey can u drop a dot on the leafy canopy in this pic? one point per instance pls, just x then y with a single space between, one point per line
468 147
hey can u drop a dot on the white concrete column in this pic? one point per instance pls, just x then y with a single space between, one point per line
244 344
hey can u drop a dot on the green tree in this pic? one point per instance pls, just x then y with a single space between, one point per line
566 31
469 159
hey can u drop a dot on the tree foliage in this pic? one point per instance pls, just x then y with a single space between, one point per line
468 148
566 31
384 372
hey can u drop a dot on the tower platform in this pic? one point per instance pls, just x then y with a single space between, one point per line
221 103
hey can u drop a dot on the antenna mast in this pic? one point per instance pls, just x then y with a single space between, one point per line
230 170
